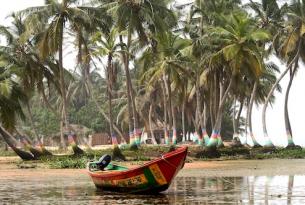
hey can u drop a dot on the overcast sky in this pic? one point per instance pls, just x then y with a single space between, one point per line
275 115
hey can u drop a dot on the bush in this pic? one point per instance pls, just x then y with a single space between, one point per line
117 154
67 162
207 153
234 151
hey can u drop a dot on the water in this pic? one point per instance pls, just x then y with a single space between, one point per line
78 189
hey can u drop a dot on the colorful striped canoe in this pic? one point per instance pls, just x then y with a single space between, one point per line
153 177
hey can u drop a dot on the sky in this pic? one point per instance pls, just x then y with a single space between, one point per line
275 114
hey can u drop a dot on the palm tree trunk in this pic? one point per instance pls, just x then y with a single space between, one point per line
286 113
48 105
62 135
218 95
183 120
150 124
8 139
172 109
174 126
168 91
27 139
109 84
268 142
87 69
249 114
32 124
247 122
233 117
64 120
237 120
129 103
132 94
44 151
215 137
198 111
204 133
165 112
211 111
102 111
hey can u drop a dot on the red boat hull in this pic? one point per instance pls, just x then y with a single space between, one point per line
153 177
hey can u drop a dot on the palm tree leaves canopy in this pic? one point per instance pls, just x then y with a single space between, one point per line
139 16
240 39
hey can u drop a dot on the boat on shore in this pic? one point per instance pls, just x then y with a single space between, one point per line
152 177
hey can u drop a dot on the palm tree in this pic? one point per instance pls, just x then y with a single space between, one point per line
260 90
109 48
196 64
289 46
270 16
137 17
50 21
167 69
11 97
205 14
241 51
22 55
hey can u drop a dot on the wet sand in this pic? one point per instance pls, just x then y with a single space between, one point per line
228 168
237 168
200 182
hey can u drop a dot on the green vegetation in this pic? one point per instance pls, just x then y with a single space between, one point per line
194 67
149 153
4 153
66 162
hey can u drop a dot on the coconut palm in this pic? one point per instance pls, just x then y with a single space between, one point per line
260 90
241 52
167 69
11 97
289 46
22 55
137 17
205 14
109 48
50 22
270 15
196 65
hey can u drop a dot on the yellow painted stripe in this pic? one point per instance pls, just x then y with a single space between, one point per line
159 177
129 182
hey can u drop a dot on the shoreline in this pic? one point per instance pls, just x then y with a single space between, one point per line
227 168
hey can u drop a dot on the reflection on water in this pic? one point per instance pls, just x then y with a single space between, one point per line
184 190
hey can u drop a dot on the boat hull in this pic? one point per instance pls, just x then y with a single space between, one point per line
153 177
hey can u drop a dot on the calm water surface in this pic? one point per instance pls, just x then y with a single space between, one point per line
184 190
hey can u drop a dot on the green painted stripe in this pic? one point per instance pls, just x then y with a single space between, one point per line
150 177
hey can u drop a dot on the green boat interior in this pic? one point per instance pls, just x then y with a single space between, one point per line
93 166
103 164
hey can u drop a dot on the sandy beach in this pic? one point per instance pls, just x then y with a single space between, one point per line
228 168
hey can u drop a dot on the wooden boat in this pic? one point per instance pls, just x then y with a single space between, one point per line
153 177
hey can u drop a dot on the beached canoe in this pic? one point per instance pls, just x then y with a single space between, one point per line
152 177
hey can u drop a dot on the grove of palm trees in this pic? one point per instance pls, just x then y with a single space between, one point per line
147 65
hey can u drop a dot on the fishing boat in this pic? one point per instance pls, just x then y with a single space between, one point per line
152 177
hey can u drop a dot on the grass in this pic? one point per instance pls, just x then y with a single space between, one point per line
143 153
146 153
280 153
246 153
8 153
66 162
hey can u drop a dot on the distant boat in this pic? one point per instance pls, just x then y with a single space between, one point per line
153 177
